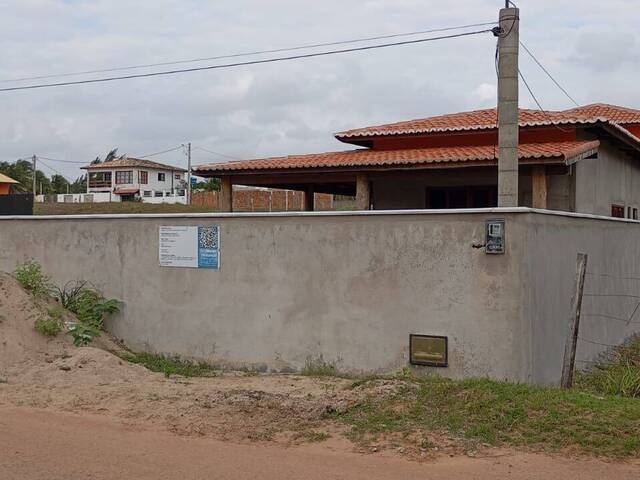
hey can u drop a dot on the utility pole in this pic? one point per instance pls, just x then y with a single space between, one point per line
189 173
33 159
508 43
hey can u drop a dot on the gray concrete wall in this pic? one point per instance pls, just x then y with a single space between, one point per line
612 178
613 249
349 287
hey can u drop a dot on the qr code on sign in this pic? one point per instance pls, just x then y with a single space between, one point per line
208 237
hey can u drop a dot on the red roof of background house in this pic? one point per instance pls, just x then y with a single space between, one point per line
487 119
561 151
621 122
129 162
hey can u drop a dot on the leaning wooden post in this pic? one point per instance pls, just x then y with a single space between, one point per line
569 359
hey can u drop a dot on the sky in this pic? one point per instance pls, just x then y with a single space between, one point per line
591 47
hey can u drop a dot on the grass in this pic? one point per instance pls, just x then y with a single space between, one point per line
319 367
618 372
170 365
114 207
48 326
502 413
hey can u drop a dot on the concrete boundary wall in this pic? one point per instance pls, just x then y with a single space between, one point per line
350 286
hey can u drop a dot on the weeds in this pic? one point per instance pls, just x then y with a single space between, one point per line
79 297
170 365
29 275
90 308
319 367
618 372
48 326
496 413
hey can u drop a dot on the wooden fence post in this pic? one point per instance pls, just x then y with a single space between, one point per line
569 360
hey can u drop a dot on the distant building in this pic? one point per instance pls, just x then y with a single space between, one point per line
127 179
584 160
5 184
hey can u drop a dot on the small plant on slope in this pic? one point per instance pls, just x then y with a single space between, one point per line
29 275
48 326
90 308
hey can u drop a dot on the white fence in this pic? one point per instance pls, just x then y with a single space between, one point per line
157 196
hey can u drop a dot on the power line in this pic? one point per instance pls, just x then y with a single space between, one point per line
549 74
535 99
63 161
216 153
54 170
247 54
160 153
253 62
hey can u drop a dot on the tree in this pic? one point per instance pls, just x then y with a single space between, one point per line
79 185
112 155
210 185
59 184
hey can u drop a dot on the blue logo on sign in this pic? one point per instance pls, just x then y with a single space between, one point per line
208 247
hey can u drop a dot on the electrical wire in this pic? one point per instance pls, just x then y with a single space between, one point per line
54 170
253 62
535 99
63 161
549 74
247 54
216 153
159 153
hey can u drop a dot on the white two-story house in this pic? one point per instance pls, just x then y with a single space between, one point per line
127 179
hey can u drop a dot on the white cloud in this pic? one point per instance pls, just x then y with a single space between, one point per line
291 107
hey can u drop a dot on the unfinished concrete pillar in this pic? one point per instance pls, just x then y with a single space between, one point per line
363 192
508 42
226 194
539 186
309 195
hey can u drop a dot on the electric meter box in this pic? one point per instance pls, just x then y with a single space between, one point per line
495 236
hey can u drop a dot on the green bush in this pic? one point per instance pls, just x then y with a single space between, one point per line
48 326
29 275
618 372
90 308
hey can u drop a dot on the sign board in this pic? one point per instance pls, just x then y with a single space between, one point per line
190 246
430 350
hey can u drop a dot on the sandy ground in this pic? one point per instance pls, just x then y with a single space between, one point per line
37 444
68 413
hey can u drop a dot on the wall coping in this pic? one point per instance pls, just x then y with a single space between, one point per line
349 213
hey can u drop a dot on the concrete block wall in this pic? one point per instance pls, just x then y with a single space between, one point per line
348 286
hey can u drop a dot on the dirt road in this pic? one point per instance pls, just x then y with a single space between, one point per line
44 444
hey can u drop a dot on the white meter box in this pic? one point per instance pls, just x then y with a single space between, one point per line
189 246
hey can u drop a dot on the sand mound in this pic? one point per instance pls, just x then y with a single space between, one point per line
32 358
19 341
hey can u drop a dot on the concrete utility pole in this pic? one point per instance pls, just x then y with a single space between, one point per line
508 43
33 159
189 173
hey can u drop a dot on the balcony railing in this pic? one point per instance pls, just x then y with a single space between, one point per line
99 183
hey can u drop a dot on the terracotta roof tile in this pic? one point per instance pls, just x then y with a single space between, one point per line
365 158
133 163
6 179
486 119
